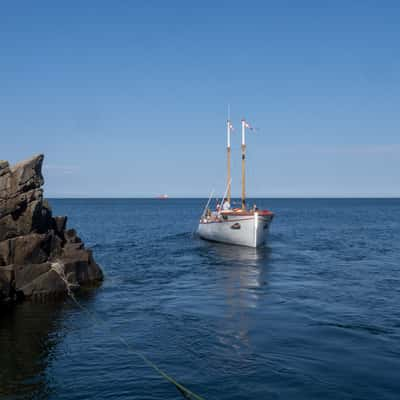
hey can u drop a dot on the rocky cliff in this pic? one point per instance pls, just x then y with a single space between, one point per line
33 243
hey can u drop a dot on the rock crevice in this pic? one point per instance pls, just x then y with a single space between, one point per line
32 239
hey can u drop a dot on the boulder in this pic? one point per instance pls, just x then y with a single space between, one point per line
32 241
79 266
44 286
27 273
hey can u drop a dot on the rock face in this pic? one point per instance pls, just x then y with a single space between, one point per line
35 247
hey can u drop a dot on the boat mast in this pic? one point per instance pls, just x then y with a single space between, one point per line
244 124
228 151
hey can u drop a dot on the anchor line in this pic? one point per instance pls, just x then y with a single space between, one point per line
185 392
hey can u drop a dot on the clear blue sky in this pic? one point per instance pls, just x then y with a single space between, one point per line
129 98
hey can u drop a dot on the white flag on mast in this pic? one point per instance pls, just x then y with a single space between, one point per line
248 126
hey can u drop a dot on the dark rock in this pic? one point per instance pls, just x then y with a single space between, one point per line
45 285
4 167
16 204
68 247
72 237
60 224
27 174
80 264
6 284
55 248
26 274
32 248
24 219
38 256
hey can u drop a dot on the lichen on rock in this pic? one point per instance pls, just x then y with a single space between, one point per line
31 239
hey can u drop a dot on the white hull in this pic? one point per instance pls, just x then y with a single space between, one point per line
245 230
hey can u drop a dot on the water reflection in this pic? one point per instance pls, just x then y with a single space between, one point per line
28 333
243 280
245 256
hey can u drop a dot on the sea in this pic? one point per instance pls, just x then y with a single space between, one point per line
314 314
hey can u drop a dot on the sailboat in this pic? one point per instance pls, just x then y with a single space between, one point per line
238 226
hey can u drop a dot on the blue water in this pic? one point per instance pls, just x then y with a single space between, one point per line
314 314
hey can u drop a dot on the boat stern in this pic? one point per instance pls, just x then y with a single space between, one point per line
262 221
242 228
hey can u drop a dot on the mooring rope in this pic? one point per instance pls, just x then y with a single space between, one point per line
185 392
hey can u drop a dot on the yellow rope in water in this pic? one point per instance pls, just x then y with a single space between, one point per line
57 267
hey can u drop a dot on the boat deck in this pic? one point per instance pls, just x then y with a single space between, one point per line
235 215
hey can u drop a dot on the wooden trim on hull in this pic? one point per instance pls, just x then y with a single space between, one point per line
225 221
240 212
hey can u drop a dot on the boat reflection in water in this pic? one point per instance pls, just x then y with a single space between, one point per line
242 274
240 256
246 273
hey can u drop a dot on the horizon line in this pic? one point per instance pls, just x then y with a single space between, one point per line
394 196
